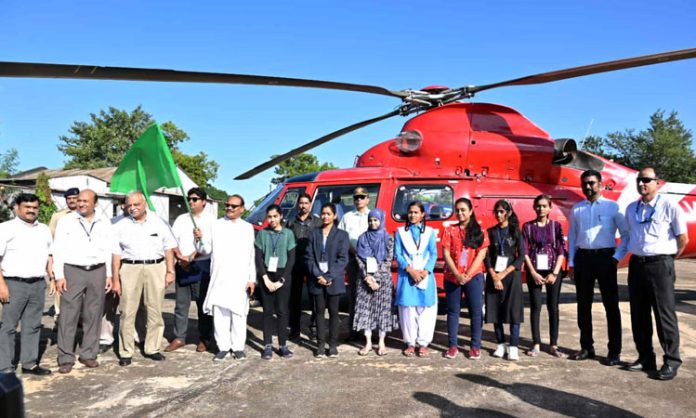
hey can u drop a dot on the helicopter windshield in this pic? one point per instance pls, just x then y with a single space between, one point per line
258 213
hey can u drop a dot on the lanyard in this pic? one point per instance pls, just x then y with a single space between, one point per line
420 235
274 242
500 240
541 234
91 227
640 219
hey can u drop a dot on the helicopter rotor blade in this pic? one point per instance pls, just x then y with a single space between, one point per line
326 138
589 69
93 72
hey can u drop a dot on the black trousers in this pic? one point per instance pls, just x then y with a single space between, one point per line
321 302
553 294
298 279
651 287
185 294
275 305
591 266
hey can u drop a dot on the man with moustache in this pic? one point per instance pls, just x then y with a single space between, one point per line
24 263
192 270
82 266
143 266
594 256
301 226
658 234
232 279
70 196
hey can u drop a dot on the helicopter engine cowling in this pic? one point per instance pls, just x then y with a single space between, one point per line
564 151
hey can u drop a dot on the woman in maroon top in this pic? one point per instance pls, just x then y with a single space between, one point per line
544 259
464 247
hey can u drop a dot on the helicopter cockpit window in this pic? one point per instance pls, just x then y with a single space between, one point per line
342 197
258 213
438 200
289 203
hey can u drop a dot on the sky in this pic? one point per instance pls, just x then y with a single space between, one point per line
394 44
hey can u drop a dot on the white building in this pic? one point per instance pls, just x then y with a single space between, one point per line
168 202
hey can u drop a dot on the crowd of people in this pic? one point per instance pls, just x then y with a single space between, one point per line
96 266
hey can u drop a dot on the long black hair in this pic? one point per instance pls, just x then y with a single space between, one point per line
513 221
474 235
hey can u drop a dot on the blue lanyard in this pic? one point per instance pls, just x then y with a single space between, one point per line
640 219
89 233
274 242
500 240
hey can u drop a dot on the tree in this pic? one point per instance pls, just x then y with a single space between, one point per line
9 160
300 164
665 145
46 205
105 139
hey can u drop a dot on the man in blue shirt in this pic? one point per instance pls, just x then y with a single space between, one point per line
593 255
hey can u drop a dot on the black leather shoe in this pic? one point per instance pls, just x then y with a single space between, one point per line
667 372
584 355
612 361
42 371
155 357
638 366
103 348
125 361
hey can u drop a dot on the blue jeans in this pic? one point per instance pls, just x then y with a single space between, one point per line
473 290
514 334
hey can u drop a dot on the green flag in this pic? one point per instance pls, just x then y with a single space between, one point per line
147 166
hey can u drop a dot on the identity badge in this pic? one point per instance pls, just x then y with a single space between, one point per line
542 262
371 265
501 263
324 266
463 258
418 263
272 265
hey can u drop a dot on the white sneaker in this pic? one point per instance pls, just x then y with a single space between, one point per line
499 351
513 354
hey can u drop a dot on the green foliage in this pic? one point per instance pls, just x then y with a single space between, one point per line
665 145
46 205
9 160
219 196
300 164
105 139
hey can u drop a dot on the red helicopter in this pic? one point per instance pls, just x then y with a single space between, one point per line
450 149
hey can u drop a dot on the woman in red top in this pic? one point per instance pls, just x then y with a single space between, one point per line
464 247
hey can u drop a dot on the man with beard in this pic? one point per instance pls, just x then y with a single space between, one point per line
594 256
302 225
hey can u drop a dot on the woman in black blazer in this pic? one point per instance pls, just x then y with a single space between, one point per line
326 259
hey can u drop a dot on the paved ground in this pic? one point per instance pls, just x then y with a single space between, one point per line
191 385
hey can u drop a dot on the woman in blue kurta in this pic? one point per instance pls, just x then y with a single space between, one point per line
416 293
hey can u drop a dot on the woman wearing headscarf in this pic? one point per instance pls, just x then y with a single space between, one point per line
375 252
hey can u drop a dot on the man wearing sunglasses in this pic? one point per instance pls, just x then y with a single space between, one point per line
192 270
594 256
658 234
355 223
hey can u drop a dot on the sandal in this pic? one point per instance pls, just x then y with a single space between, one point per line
409 351
364 351
534 351
557 352
381 351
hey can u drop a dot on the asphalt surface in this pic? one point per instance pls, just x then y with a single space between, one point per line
189 384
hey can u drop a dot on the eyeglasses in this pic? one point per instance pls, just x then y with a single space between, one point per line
645 180
194 199
589 183
231 206
361 197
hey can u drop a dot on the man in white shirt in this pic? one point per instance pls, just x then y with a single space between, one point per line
70 196
355 223
82 267
232 279
594 256
24 263
143 266
658 234
192 270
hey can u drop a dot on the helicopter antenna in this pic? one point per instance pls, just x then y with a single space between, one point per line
587 132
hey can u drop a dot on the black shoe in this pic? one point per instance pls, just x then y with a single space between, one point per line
333 351
638 366
125 361
294 335
612 360
42 371
584 355
103 348
155 356
667 372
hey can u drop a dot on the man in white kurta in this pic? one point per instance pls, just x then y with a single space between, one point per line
232 279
